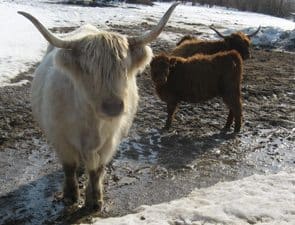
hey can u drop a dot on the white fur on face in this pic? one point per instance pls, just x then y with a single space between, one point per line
101 66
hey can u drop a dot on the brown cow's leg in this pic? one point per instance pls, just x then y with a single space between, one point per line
71 189
229 121
237 112
171 108
94 190
235 106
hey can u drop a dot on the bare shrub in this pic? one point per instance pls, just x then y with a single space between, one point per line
282 8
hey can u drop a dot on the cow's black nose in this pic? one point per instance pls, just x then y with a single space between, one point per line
113 107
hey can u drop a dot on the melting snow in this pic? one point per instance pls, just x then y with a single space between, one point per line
259 199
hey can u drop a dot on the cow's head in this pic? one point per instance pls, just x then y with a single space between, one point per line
103 65
160 69
185 39
238 41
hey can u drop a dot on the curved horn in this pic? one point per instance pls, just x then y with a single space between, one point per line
55 41
254 33
154 33
216 31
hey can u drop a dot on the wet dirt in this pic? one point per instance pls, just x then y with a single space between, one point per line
152 165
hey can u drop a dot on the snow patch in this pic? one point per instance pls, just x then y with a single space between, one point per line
259 199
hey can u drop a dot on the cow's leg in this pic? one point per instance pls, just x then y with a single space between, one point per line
94 189
229 120
171 109
69 158
235 106
71 188
233 101
95 162
237 112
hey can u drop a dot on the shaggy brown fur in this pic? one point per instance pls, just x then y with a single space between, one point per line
236 41
197 79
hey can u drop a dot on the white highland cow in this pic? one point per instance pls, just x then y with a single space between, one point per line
84 97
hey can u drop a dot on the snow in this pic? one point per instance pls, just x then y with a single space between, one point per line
259 199
21 44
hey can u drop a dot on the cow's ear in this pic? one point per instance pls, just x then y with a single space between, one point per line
140 57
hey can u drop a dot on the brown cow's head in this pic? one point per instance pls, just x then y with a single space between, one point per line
160 69
186 38
238 41
103 64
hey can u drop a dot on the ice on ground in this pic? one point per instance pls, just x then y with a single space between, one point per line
276 38
259 199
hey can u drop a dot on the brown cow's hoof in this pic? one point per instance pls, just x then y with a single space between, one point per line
166 127
225 130
237 129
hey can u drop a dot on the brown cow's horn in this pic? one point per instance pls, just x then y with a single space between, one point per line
254 33
216 31
154 33
55 41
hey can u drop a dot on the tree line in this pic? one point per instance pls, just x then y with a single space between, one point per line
281 8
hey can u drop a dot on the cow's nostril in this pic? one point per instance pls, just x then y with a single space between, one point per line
113 107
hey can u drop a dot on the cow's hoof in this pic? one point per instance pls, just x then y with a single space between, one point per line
70 200
224 130
166 128
237 130
71 196
66 198
94 205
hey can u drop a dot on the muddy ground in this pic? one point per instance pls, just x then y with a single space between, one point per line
151 165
